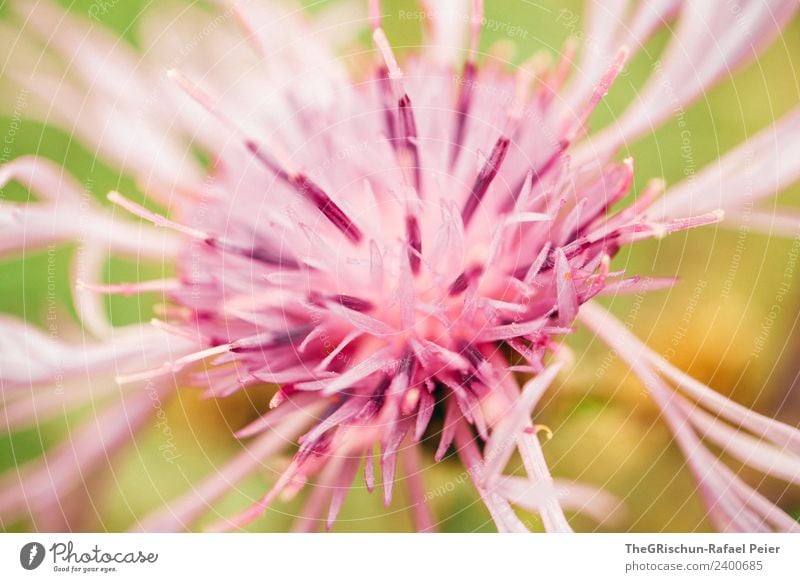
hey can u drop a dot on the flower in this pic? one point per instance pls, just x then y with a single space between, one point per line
384 244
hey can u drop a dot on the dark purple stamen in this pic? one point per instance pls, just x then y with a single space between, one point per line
385 84
376 401
466 379
462 110
354 303
572 250
408 137
484 179
265 159
459 284
310 191
463 280
407 365
270 339
328 207
260 254
318 446
541 172
472 354
414 242
612 194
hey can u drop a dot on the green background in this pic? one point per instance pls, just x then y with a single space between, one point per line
606 432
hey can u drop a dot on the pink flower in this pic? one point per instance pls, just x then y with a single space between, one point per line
383 242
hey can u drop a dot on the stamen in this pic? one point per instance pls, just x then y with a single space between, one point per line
459 284
379 37
347 340
174 366
403 135
157 219
374 11
462 111
467 81
484 178
279 165
404 141
537 428
407 147
160 285
414 242
563 68
174 329
523 87
249 32
276 161
270 339
476 22
542 171
328 207
260 254
537 264
354 303
600 91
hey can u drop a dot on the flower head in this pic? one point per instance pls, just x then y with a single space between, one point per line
385 244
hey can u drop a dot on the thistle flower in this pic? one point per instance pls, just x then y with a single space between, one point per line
384 244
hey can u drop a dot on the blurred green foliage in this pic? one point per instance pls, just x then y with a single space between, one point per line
606 431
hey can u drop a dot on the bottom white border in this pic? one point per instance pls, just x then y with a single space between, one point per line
389 557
